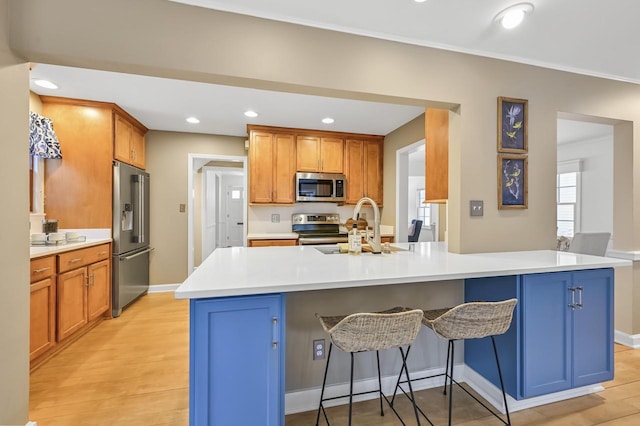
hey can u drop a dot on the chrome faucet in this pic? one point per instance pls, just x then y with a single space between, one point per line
376 246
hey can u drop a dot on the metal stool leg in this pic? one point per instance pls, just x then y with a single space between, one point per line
451 381
406 372
379 383
446 368
324 381
351 389
504 395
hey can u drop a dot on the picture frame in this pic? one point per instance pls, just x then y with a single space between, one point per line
512 181
513 124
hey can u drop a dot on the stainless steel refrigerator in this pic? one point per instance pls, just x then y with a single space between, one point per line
130 274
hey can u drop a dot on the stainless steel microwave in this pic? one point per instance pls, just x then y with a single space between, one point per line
329 187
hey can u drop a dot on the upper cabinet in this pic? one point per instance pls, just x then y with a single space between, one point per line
272 167
363 169
436 155
129 143
78 187
277 153
320 154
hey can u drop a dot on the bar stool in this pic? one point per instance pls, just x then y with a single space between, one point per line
362 332
473 320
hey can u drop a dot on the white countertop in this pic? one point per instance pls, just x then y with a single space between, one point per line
40 251
242 271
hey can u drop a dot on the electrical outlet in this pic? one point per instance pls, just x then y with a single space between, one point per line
183 207
275 218
318 349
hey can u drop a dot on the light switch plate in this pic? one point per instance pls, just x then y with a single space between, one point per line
476 207
275 218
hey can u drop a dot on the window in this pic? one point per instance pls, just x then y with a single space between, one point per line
423 210
568 198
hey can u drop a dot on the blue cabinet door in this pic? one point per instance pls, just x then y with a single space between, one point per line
546 333
593 327
236 374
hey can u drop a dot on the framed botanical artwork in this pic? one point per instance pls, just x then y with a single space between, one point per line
512 125
512 181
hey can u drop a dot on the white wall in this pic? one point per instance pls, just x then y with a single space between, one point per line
596 181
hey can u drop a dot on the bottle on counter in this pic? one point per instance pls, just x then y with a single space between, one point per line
355 241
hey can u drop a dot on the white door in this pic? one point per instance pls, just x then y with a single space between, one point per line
208 212
234 203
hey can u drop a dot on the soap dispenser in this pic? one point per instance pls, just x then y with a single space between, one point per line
355 240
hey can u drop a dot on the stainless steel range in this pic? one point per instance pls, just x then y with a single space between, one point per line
318 228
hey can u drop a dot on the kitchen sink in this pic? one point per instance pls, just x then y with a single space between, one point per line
365 249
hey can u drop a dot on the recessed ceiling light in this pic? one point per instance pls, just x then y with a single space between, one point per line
328 120
419 1
251 114
193 120
45 83
513 16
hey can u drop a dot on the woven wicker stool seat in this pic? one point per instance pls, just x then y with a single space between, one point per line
374 331
473 320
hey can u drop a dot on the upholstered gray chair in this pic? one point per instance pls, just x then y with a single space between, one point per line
593 243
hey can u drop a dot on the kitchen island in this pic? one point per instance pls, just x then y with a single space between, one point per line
239 299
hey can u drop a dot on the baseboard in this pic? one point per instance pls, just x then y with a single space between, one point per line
630 340
493 394
162 288
307 400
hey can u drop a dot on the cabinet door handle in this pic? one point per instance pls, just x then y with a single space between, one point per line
76 260
579 305
37 271
572 305
88 280
274 333
102 253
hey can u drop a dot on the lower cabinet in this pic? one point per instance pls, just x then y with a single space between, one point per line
42 335
561 336
567 330
67 303
270 243
236 373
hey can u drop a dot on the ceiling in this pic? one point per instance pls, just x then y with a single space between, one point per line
572 35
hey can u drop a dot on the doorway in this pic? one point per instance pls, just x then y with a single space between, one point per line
410 176
217 206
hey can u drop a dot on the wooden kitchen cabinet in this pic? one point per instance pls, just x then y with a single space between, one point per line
271 243
319 154
79 186
363 169
42 307
436 155
129 143
84 288
272 162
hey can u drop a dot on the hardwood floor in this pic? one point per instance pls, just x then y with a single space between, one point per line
134 371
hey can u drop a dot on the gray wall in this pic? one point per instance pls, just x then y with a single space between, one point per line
14 237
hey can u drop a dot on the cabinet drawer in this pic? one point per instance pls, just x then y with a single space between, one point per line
78 258
43 268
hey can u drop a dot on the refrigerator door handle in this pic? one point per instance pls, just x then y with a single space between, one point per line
139 206
138 254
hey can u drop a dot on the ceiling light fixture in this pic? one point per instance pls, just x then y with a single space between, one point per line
251 114
192 120
328 120
513 16
419 1
45 83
